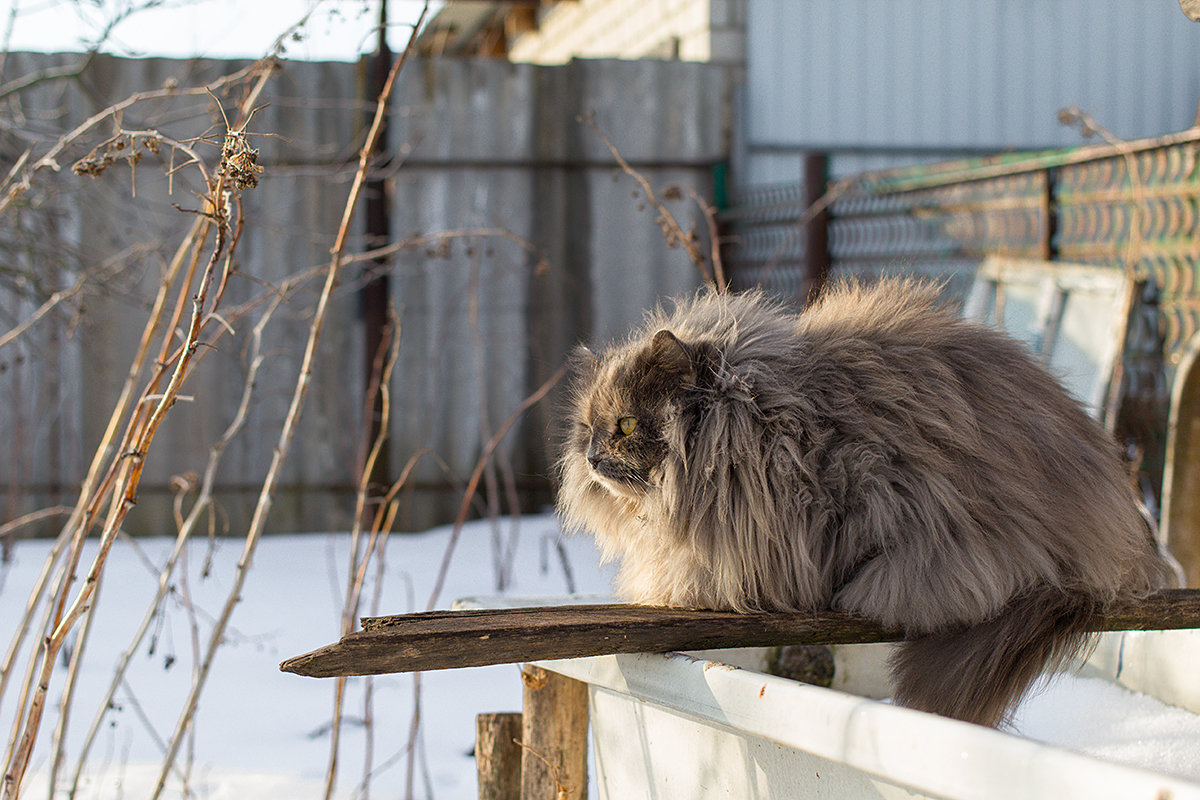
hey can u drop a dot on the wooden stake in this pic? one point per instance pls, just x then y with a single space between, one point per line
498 755
554 737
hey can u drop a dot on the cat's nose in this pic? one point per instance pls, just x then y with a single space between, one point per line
593 456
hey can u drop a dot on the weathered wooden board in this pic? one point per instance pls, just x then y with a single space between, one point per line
446 639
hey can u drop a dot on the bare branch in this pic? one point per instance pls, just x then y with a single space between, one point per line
477 474
20 182
124 477
258 521
675 235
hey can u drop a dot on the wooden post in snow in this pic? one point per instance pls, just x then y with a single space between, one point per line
554 737
498 755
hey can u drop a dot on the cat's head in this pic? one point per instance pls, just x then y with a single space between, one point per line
624 404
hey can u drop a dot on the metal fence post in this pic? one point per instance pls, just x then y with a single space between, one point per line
816 232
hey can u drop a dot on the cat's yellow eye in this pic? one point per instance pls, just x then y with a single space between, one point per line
627 425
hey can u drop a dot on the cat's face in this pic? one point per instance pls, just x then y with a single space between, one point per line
621 412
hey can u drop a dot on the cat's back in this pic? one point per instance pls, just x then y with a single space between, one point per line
900 335
752 324
891 310
744 325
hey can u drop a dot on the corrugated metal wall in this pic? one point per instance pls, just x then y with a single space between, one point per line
501 145
482 144
882 83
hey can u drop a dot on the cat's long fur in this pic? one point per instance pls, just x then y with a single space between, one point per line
876 454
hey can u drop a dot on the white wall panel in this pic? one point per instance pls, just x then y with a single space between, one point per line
947 75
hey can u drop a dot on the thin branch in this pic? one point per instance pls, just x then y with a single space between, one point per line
381 377
812 212
258 521
128 479
9 529
714 236
35 596
19 183
441 238
109 267
24 82
675 234
184 531
477 474
124 477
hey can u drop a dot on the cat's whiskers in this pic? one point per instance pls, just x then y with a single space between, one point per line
618 488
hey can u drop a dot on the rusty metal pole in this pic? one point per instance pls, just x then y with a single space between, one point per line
816 232
375 294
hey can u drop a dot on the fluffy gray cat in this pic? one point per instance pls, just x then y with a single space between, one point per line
876 454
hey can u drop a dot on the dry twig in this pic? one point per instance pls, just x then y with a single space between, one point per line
709 266
184 531
258 521
381 380
120 483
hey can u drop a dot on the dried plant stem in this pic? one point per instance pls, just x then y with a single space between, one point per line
184 533
45 308
21 712
120 483
266 494
117 485
194 635
369 685
82 636
811 213
35 597
501 551
9 529
671 228
19 182
480 464
58 740
127 478
381 377
714 237
81 521
441 238
95 488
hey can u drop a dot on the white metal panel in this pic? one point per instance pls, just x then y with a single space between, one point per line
944 75
1158 663
755 735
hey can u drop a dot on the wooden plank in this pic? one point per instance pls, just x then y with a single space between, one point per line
448 639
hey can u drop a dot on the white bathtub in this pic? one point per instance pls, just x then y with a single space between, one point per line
714 725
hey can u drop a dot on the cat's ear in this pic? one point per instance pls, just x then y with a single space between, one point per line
583 361
671 357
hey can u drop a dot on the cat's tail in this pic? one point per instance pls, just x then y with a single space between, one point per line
978 673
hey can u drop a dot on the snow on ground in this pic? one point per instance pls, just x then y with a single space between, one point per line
264 733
